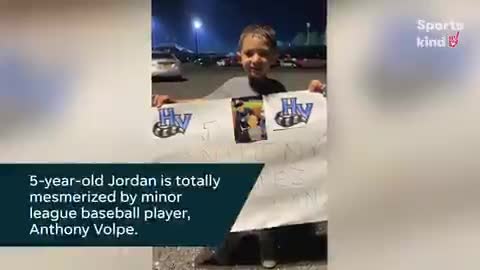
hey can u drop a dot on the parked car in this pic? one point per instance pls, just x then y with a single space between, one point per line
207 59
229 61
185 57
222 62
306 56
310 62
276 64
287 61
183 54
166 65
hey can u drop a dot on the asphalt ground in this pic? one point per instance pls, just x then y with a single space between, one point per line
199 81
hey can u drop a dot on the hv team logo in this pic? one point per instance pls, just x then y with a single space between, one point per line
170 123
293 113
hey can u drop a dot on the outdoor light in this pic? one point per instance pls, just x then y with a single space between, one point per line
197 24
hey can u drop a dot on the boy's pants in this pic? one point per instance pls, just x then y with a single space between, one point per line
266 242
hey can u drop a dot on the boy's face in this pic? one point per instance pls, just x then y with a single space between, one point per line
256 56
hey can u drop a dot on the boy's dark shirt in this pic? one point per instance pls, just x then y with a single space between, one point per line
243 87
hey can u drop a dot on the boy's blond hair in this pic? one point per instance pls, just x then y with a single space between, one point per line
264 31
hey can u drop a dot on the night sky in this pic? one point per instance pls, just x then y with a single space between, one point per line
223 20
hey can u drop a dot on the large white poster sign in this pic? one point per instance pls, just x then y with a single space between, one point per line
285 131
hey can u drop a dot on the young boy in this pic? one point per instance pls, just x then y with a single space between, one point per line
258 52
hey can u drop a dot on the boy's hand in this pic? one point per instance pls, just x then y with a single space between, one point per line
317 87
160 100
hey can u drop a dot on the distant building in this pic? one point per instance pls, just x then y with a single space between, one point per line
182 53
171 47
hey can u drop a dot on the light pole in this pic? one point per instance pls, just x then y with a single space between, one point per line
154 29
197 24
308 33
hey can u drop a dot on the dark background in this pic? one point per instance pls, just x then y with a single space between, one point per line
223 21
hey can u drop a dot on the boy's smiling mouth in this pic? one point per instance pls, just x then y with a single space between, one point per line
256 72
255 69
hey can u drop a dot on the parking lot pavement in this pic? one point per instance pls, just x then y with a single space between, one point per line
200 81
181 258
